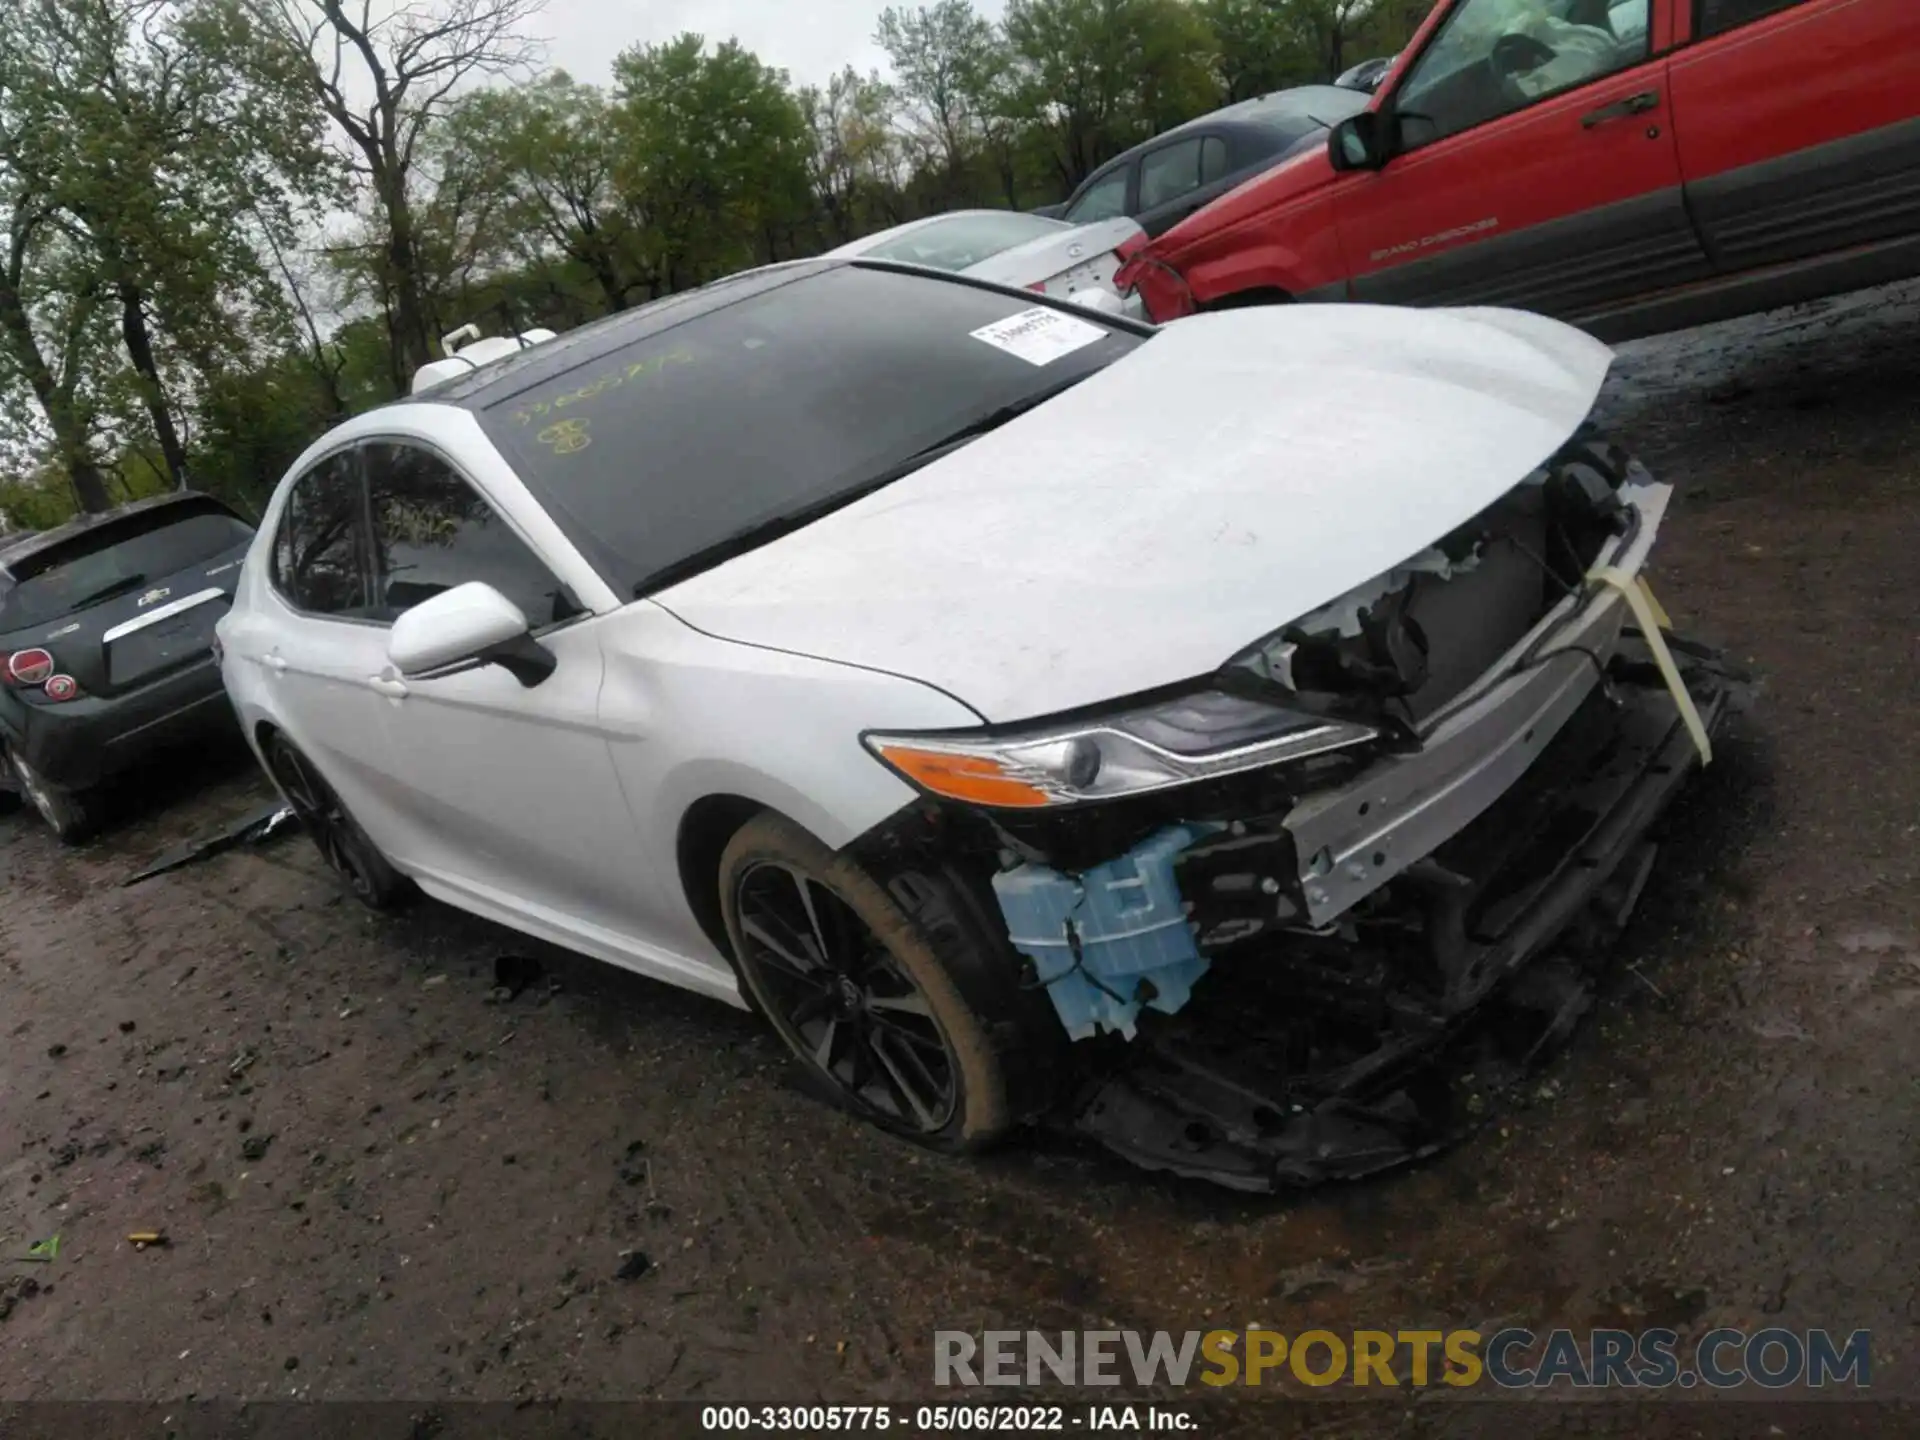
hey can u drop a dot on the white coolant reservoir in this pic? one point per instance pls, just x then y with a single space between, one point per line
477 350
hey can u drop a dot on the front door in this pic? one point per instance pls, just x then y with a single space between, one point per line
1537 165
507 792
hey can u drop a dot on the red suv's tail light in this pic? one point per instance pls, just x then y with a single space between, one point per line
29 667
1131 246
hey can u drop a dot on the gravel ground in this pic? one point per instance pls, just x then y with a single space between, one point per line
382 1178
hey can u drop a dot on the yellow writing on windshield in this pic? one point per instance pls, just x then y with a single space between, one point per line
527 413
564 437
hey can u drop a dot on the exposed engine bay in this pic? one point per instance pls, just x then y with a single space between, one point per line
1258 975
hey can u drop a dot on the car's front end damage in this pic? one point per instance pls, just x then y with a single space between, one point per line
1264 905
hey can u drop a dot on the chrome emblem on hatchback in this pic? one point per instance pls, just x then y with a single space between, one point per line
160 593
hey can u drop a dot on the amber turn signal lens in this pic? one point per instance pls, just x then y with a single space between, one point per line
975 779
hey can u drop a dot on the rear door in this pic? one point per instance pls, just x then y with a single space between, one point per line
505 791
324 645
1799 125
1537 167
1179 177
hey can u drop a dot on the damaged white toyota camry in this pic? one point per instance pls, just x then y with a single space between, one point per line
1176 734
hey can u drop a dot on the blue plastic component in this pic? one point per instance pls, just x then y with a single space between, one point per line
1127 920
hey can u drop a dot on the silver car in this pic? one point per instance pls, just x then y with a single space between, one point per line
1050 257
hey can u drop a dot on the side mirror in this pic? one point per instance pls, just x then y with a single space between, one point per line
1358 142
471 623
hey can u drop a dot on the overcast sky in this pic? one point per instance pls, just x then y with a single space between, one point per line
811 39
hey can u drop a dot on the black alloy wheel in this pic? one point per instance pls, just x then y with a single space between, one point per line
843 1002
335 833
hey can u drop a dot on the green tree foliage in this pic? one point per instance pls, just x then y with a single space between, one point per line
713 169
227 224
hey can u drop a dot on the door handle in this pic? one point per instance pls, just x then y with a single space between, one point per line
386 685
276 664
1620 109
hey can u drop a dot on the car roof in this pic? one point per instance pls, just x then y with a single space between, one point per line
15 548
1255 116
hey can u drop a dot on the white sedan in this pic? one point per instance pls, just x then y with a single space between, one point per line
990 692
1048 257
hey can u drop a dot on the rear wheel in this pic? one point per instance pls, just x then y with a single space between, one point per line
856 991
68 813
335 833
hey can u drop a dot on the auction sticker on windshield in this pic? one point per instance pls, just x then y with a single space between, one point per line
1039 336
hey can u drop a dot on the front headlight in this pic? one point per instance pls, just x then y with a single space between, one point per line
1155 747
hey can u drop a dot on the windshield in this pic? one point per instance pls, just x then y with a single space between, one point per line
115 559
956 241
792 399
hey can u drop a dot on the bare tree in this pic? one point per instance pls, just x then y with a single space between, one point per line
384 72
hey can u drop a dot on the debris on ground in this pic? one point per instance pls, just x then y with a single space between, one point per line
634 1169
250 829
633 1264
14 1290
511 975
42 1251
141 1239
254 1147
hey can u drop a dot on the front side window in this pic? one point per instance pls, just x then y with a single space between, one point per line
1104 199
1495 57
433 531
319 549
661 454
956 242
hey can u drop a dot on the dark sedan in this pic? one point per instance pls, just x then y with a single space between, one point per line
1161 182
106 634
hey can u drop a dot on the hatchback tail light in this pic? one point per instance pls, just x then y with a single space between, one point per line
29 667
1039 287
36 669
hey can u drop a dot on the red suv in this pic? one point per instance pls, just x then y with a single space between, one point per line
1633 166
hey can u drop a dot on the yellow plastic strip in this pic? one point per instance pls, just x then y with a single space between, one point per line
1653 620
1653 602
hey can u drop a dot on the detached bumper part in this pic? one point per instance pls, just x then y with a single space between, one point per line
1309 1058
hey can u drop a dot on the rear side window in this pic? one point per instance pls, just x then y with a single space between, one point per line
1720 15
1168 173
1213 159
319 550
433 531
117 559
1105 198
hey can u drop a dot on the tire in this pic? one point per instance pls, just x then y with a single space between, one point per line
881 1027
345 847
70 814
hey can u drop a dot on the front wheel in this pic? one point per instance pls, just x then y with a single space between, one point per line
68 813
335 833
857 992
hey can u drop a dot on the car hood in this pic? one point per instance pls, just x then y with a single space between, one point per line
1050 255
1233 473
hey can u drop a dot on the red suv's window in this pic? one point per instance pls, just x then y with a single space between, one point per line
1718 15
